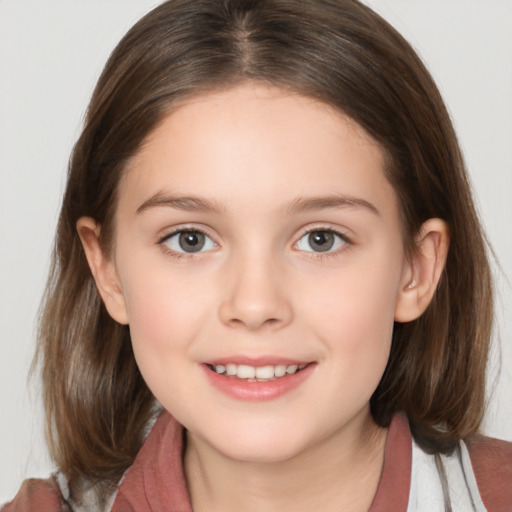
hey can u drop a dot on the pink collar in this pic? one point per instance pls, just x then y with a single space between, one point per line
156 479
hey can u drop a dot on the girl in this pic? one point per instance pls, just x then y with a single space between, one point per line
270 287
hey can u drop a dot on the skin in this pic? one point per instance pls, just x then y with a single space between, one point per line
258 158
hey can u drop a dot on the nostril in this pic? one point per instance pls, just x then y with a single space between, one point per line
254 323
255 307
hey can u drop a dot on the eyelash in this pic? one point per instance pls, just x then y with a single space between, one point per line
328 254
310 254
180 230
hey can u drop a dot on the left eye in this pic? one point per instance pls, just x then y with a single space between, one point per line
189 242
323 240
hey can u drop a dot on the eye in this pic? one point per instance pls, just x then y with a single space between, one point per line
321 240
189 241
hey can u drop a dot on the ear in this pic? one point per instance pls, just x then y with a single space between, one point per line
421 275
103 269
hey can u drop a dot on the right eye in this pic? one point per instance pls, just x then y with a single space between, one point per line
321 241
189 241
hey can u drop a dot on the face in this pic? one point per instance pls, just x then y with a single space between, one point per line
259 261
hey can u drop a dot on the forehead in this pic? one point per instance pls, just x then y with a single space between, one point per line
257 141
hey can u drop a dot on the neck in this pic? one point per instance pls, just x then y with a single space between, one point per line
340 472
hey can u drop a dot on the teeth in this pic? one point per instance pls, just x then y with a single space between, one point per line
230 369
245 372
291 369
260 373
280 370
265 372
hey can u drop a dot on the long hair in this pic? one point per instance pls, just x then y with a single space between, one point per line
337 51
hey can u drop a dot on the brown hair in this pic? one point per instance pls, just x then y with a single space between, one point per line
340 52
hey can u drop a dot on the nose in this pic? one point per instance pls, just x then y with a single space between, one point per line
255 295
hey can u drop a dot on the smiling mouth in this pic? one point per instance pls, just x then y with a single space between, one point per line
248 373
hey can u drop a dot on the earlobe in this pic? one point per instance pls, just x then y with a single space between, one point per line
103 269
422 274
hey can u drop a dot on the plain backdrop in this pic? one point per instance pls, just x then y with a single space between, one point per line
51 53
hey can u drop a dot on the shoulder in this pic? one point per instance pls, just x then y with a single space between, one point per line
36 495
492 464
156 480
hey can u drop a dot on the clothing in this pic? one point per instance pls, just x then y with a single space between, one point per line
481 476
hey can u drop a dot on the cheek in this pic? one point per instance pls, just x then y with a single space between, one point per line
163 325
163 314
361 299
353 313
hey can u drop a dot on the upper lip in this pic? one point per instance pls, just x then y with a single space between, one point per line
257 361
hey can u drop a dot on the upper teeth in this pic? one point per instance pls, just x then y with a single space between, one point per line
243 371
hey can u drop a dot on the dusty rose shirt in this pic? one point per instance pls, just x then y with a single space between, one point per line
156 482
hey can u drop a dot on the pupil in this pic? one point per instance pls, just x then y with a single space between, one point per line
192 241
321 241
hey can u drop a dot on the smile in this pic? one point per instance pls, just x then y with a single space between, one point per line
259 382
256 373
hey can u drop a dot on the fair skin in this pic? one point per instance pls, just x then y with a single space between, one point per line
256 227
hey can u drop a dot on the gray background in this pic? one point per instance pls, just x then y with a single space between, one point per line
50 56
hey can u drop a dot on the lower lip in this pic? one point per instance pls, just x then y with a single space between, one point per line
258 391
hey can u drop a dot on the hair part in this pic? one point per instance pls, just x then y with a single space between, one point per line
341 53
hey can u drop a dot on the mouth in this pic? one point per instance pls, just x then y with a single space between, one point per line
267 373
246 379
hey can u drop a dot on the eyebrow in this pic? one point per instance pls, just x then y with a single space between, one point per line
307 204
188 204
299 205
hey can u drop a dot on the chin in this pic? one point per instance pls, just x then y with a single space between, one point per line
260 445
261 453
